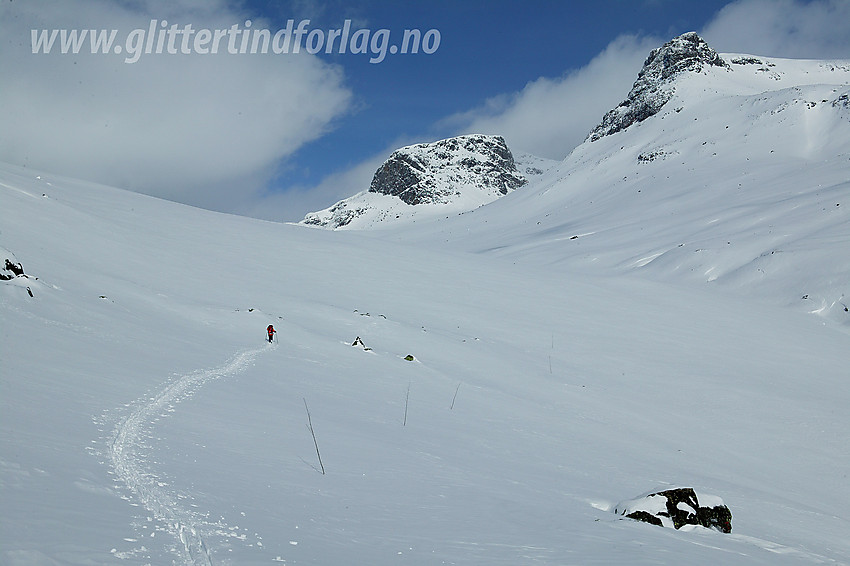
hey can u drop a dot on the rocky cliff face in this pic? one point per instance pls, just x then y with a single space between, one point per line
432 173
655 83
451 175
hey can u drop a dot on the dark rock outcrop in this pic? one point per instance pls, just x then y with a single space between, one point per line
678 507
428 173
11 270
654 85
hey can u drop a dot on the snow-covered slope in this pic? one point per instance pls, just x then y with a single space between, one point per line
144 420
427 180
741 179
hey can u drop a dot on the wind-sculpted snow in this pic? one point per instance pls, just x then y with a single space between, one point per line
130 460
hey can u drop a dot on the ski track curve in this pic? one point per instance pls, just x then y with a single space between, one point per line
131 465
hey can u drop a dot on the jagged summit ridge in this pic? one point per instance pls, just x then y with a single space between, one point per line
654 85
451 175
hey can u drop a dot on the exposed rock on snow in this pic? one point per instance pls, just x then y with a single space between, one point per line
10 267
452 175
746 60
678 507
654 85
11 270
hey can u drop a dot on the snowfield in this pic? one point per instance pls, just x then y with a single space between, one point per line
619 326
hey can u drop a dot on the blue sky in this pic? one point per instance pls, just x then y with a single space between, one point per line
278 135
487 48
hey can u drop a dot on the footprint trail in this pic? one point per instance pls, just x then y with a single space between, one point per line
130 461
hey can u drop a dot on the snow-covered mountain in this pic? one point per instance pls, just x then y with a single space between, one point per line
739 177
656 81
525 371
729 169
426 180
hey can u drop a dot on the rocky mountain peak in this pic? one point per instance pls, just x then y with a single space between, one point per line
688 52
430 173
655 83
451 175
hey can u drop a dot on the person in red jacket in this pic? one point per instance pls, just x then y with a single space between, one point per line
271 332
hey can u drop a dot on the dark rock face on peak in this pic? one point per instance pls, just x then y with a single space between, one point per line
653 87
453 175
688 52
429 173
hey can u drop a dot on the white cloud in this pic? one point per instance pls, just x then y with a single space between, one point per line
782 28
212 130
549 117
293 204
203 129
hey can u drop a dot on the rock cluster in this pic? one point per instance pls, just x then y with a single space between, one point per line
11 270
678 507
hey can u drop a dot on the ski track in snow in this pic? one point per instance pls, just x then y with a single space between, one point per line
130 462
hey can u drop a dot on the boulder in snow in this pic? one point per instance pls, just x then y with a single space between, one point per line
678 507
11 270
10 267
